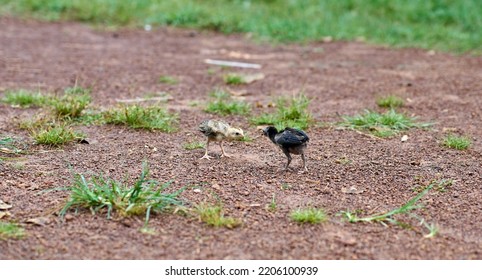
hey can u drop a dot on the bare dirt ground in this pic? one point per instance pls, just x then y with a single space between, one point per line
342 79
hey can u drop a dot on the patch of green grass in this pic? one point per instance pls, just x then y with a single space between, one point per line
168 80
194 145
213 215
51 132
390 101
89 117
309 215
291 112
24 98
457 142
382 125
138 117
405 209
55 135
434 24
143 197
222 104
11 230
36 123
234 79
72 103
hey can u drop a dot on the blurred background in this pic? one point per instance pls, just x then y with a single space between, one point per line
446 25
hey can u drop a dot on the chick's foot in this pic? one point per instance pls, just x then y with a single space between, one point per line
303 171
206 157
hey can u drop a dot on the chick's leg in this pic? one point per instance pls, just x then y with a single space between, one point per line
304 162
289 159
222 150
206 153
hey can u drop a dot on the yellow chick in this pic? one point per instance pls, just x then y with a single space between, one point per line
218 131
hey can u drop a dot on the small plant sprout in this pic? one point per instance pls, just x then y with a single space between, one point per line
212 71
432 228
457 142
390 101
309 215
382 125
443 184
234 79
11 230
222 104
289 113
168 80
343 160
148 230
138 117
213 215
285 186
247 138
405 209
144 197
273 206
194 145
24 98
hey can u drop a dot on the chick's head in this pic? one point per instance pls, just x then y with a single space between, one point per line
270 130
234 133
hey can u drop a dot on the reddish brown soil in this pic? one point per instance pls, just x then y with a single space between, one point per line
341 78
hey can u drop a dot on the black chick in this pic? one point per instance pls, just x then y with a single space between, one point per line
290 140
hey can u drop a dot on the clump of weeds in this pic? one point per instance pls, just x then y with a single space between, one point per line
71 103
290 112
457 142
213 215
234 79
11 230
138 117
309 215
390 101
24 98
165 79
406 209
143 197
382 125
222 103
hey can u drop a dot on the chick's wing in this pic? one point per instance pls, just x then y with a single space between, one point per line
288 138
298 133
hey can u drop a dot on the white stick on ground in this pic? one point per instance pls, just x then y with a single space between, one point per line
232 63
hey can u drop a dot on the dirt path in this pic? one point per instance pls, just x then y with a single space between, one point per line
341 78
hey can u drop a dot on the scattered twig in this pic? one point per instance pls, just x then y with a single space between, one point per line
232 63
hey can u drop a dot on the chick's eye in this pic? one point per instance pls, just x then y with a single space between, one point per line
237 133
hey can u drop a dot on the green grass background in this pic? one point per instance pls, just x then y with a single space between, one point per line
448 25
